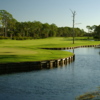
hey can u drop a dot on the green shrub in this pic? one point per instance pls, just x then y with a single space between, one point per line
21 38
2 37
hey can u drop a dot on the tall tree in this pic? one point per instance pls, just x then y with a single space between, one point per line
53 30
45 30
37 26
6 18
89 30
97 32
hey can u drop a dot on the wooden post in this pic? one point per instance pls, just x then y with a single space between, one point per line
50 64
56 63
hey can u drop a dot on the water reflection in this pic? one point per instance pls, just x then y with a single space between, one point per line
62 83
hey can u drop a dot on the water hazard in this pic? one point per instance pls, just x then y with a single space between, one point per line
62 83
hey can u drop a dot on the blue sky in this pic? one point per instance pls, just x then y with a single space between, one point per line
55 11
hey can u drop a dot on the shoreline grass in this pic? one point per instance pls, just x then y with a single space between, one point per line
29 50
95 95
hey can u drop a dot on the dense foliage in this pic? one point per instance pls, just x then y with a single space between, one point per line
97 32
94 31
11 28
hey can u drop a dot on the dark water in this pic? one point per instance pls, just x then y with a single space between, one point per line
63 83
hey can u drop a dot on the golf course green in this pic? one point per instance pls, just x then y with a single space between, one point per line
31 50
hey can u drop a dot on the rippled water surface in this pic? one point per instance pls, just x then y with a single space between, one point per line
63 83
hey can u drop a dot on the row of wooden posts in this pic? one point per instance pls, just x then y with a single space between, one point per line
29 66
56 63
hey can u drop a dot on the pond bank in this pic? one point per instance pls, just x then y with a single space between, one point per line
37 65
29 66
71 47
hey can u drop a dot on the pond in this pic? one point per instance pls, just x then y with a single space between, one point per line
62 83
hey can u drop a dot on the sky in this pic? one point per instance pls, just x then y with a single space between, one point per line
55 11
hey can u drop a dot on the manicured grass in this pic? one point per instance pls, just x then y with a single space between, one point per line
30 50
34 55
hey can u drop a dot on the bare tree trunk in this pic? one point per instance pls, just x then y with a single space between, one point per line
5 29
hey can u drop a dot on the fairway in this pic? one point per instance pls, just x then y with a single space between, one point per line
30 50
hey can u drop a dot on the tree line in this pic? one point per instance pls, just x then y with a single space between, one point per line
11 28
94 31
